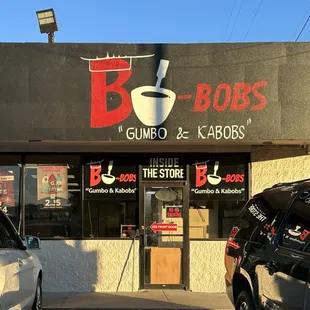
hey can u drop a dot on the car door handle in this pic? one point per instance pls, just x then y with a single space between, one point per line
296 256
20 262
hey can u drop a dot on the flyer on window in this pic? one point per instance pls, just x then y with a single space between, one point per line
7 189
52 184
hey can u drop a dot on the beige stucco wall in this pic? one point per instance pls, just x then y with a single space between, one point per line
96 265
274 164
89 265
207 266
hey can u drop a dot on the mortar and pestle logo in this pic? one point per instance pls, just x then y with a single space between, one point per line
295 232
108 178
153 104
214 179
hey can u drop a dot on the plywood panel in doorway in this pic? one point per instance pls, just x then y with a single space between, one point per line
166 266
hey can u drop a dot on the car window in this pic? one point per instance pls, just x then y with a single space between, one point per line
8 238
257 220
296 230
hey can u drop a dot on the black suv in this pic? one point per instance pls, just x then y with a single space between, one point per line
267 255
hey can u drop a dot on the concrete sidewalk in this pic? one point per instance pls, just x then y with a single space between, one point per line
138 300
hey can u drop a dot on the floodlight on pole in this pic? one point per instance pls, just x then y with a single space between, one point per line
47 23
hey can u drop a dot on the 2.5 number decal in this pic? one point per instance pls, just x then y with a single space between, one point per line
52 203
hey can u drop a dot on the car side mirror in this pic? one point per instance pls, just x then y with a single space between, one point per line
32 243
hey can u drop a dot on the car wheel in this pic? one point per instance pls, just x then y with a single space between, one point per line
244 302
37 305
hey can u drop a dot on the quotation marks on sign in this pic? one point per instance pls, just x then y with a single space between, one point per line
120 128
182 134
219 132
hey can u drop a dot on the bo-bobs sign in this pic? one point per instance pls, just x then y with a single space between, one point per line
110 179
217 179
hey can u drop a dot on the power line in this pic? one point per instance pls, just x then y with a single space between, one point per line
232 30
300 23
252 22
231 12
301 31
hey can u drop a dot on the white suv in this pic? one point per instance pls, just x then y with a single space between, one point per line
20 269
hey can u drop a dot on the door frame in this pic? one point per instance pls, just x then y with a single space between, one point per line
185 250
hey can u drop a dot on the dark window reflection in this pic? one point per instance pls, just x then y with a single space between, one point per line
104 219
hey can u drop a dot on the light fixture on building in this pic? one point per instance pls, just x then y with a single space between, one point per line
47 23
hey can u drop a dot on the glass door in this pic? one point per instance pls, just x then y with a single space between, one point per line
164 236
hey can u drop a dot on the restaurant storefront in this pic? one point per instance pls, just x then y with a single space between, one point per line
159 202
133 168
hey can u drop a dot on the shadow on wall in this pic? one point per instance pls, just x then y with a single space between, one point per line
274 152
67 266
90 265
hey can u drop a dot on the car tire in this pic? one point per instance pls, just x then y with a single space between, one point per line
37 304
244 302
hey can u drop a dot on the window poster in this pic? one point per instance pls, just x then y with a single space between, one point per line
7 188
52 185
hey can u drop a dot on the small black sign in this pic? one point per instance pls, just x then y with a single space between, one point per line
174 211
164 168
215 179
108 179
128 231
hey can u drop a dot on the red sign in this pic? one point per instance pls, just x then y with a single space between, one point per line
97 176
174 211
202 178
163 227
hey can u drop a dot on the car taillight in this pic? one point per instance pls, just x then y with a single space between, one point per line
226 251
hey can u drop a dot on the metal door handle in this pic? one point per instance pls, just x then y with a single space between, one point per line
296 256
20 262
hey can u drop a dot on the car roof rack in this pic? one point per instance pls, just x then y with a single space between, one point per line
293 183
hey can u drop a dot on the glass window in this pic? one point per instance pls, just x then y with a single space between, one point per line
104 219
296 232
53 200
212 219
10 192
258 220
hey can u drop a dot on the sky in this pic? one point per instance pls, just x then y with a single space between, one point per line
158 21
